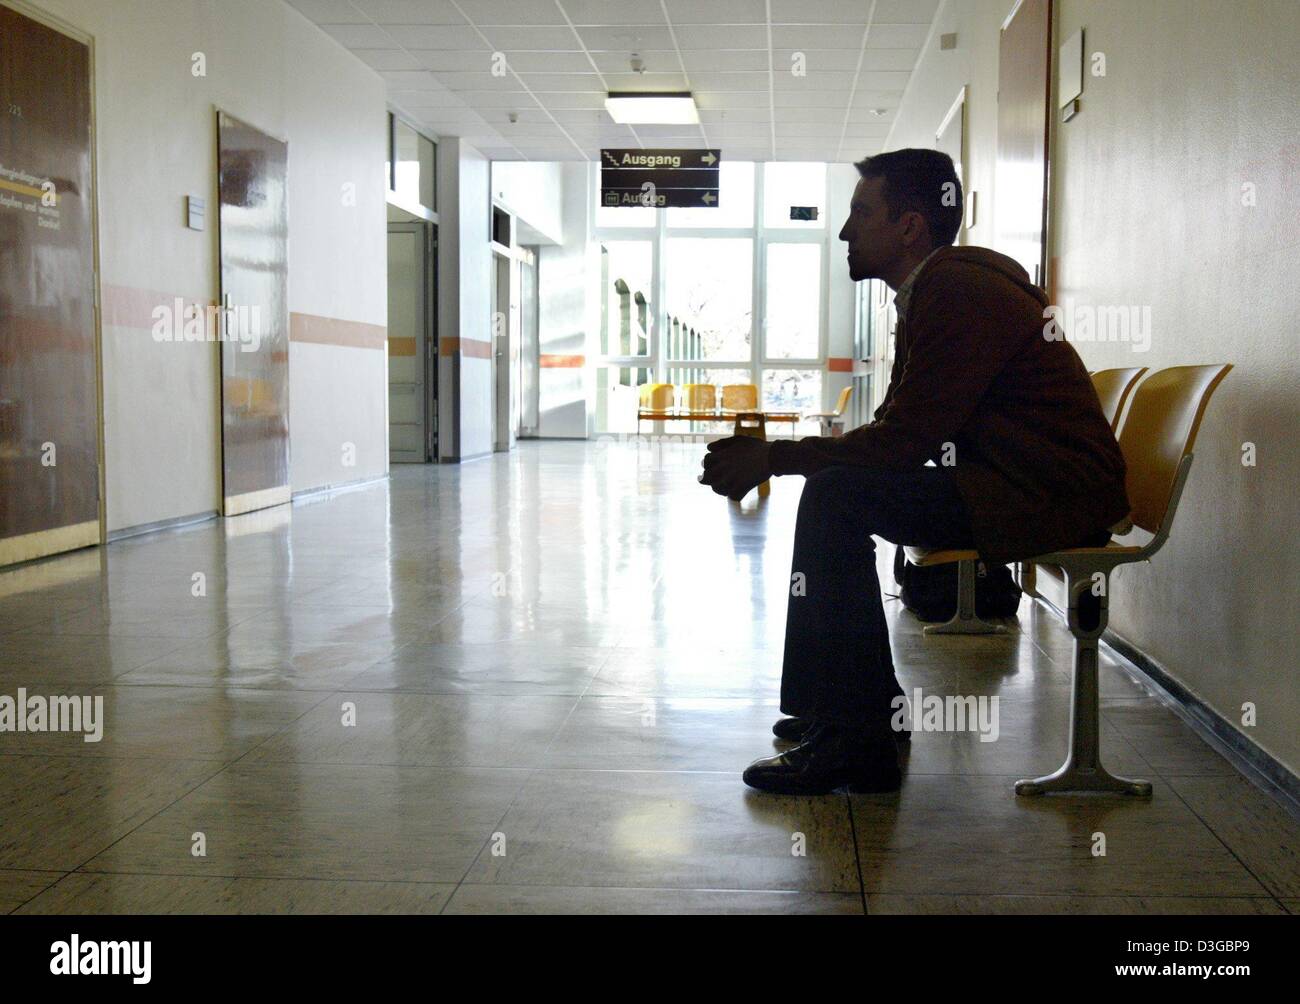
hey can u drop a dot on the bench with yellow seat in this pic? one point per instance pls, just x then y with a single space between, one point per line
1113 388
1156 439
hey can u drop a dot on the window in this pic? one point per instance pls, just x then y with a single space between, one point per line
618 390
792 318
627 305
793 390
710 282
735 206
413 165
789 184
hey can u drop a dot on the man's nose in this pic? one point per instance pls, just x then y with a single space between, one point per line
844 232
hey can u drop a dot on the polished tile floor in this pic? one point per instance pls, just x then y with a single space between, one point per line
530 683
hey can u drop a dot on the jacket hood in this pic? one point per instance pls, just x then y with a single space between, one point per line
992 260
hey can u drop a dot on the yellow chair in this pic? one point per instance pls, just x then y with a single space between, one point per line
1113 388
827 419
657 396
700 397
1157 439
740 397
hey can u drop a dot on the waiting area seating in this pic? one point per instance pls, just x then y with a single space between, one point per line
1156 439
701 402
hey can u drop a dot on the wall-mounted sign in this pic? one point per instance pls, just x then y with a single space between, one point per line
661 178
805 213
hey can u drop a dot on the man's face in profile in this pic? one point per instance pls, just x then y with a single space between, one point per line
874 240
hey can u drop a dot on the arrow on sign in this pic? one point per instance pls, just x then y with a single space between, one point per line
708 197
709 159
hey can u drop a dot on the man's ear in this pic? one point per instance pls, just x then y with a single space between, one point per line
915 229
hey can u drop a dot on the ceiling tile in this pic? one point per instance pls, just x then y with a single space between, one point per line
811 99
817 59
905 11
687 12
490 13
330 11
656 61
360 36
820 11
574 61
815 80
716 60
722 82
806 37
645 81
443 36
562 82
410 11
891 59
388 59
613 12
447 60
623 38
705 36
897 36
465 80
731 99
531 39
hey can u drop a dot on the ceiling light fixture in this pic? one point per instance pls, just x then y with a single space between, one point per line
641 108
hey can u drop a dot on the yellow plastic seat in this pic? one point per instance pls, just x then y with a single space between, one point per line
740 397
1156 439
700 397
827 419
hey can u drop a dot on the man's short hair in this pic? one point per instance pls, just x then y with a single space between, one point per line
922 181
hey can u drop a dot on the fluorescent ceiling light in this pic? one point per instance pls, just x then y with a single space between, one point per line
640 108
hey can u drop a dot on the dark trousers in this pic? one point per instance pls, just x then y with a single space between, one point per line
838 666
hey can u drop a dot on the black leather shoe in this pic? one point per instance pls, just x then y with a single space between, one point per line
827 759
794 730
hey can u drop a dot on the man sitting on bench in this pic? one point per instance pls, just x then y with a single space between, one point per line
1026 463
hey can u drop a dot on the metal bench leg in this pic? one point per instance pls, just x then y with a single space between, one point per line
965 620
1082 770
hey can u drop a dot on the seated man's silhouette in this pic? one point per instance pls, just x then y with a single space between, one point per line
1025 463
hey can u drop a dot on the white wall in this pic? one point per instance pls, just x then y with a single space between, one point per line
465 301
1147 210
156 132
568 280
532 192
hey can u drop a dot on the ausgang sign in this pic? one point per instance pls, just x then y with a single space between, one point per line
661 178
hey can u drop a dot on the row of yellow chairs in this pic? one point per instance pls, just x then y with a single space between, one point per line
699 397
735 397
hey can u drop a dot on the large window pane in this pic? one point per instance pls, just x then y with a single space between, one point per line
634 216
793 184
710 298
627 309
793 390
735 206
793 301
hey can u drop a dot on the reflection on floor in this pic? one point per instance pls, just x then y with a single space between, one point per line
530 684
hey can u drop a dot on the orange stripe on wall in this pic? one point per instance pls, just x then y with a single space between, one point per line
401 346
551 359
837 364
317 330
129 307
